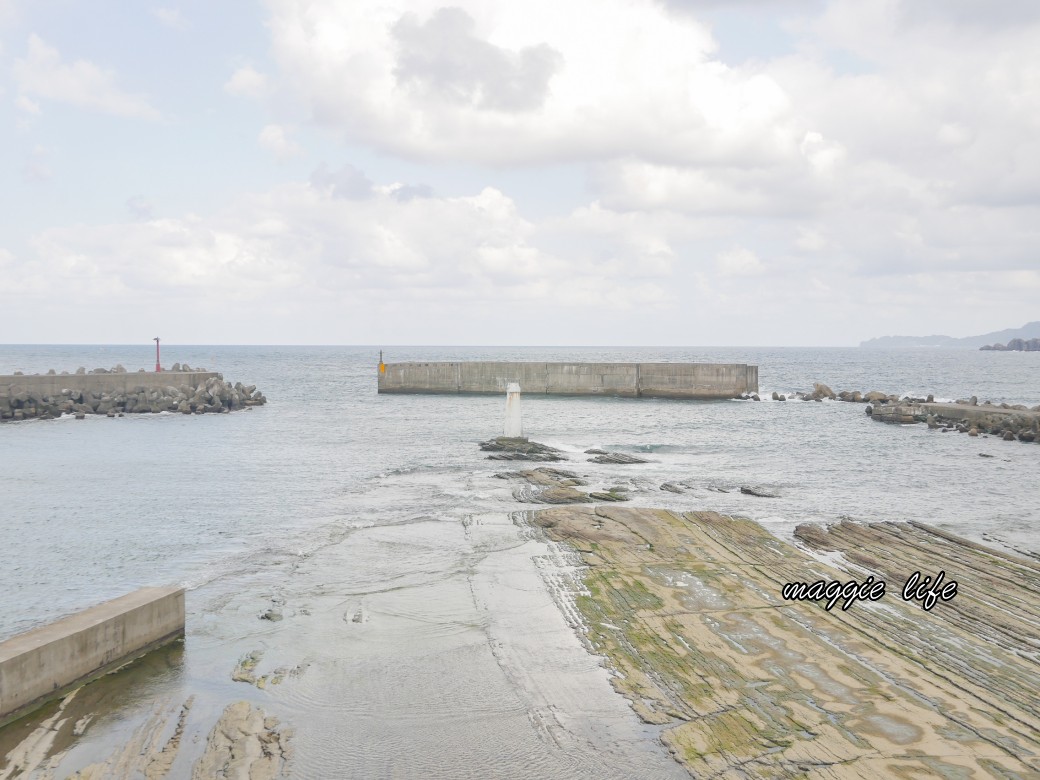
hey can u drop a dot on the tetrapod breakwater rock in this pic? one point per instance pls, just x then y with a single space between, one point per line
116 392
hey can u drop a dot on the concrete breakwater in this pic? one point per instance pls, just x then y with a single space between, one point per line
117 392
629 380
45 663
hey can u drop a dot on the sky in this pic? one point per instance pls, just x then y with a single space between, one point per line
589 172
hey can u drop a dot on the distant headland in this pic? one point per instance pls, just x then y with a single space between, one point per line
1031 330
1015 345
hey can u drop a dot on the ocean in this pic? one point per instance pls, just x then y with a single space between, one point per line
418 607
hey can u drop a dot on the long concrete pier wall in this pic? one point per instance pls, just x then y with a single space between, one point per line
631 380
53 384
46 662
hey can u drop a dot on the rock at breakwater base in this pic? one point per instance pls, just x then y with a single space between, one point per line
616 458
749 491
516 448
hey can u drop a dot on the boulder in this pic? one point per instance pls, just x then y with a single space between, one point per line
821 391
749 491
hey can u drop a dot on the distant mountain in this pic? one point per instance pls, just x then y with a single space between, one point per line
1031 330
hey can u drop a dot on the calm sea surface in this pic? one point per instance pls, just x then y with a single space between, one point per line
378 515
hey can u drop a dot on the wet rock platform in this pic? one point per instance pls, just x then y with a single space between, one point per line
689 611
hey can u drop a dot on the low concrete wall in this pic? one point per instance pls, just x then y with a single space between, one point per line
46 662
633 380
53 384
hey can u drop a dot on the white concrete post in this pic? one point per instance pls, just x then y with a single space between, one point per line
514 427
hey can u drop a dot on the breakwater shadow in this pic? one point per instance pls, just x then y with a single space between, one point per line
64 725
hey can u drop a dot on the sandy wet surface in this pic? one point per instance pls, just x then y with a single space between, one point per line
428 648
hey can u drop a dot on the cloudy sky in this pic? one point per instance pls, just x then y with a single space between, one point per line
616 172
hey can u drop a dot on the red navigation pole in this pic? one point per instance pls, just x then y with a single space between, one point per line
158 365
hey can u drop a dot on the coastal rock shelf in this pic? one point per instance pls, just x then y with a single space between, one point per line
688 609
117 392
556 486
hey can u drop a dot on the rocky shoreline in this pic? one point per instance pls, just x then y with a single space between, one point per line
116 392
1010 422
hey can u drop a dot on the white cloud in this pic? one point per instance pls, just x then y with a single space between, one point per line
474 269
501 83
739 261
303 247
36 166
810 239
247 82
26 105
139 207
43 73
823 155
275 139
170 17
8 12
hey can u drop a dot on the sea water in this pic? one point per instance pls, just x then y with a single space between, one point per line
418 609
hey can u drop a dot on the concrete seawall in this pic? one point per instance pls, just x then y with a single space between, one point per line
47 662
629 380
